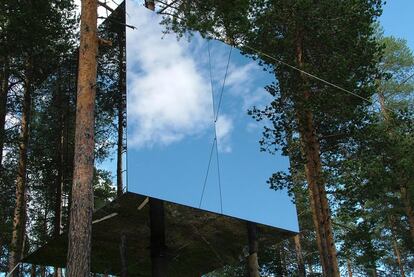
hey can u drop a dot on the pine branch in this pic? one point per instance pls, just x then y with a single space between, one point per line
102 4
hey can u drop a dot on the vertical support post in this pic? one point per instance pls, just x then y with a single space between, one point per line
158 247
123 255
252 260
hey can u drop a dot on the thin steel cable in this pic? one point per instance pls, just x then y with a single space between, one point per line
311 75
215 117
219 176
211 79
404 81
223 85
215 136
215 125
208 170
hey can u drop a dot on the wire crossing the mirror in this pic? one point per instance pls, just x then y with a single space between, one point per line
216 112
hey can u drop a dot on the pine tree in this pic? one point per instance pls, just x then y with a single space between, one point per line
80 227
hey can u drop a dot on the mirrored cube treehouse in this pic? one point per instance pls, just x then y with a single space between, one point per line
195 183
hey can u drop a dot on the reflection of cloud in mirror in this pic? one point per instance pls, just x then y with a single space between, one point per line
169 93
169 98
224 126
242 80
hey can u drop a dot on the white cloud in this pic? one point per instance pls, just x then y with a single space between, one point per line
242 80
169 98
224 127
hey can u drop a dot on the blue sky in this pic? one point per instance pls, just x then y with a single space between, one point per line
168 157
397 20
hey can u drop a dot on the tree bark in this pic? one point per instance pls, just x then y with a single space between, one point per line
314 176
121 113
383 106
395 246
80 228
158 247
19 218
60 164
398 256
33 271
348 266
408 207
60 142
4 89
252 261
299 256
150 4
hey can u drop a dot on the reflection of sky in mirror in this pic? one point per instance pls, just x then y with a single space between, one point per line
171 129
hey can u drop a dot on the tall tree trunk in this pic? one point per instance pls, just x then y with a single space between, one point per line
398 256
299 256
383 106
158 247
314 176
60 164
33 271
349 266
4 89
19 218
60 142
121 112
395 246
408 207
80 228
252 260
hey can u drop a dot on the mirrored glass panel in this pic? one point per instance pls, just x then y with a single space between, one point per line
190 138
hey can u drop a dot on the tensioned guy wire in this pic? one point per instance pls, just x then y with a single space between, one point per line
215 135
215 117
312 76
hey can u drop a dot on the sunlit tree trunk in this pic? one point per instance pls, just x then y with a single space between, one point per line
408 207
314 175
349 266
19 218
398 256
60 163
299 256
80 227
395 246
4 88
